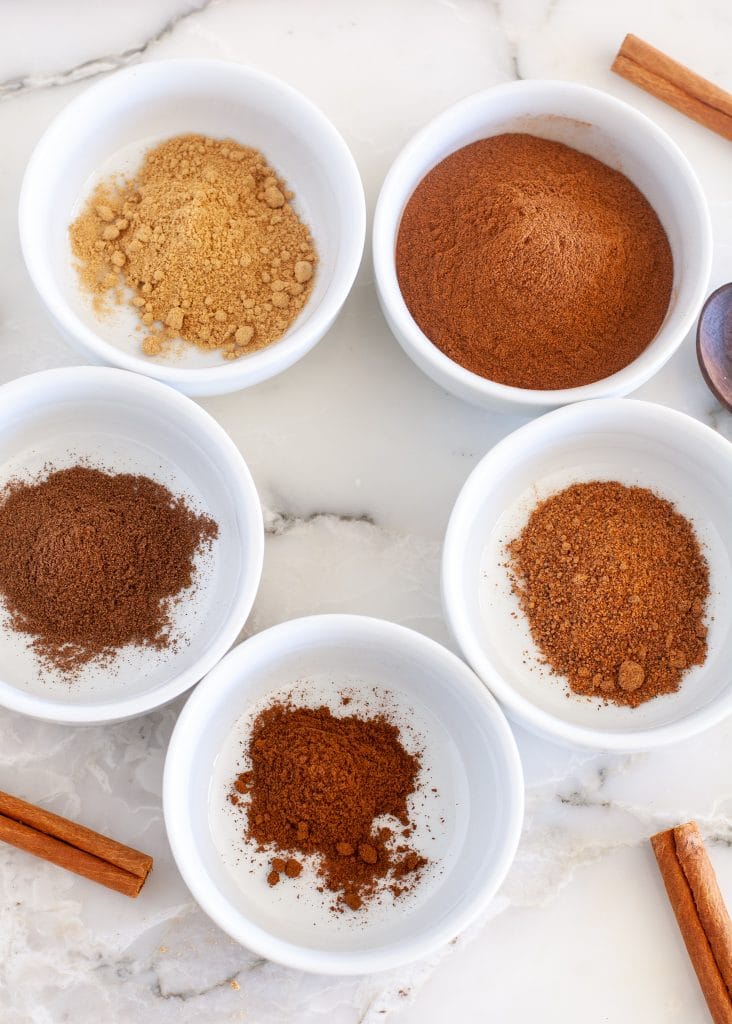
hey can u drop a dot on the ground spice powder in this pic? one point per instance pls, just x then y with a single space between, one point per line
316 785
614 584
89 562
532 264
207 239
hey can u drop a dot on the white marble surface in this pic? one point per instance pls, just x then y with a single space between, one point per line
358 459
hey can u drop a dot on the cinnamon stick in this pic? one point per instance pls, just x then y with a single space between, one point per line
675 84
72 846
700 912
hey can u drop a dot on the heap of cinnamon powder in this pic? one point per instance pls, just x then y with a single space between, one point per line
532 264
90 561
317 784
205 244
614 585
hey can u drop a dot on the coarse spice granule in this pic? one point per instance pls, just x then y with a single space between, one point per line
614 585
316 785
206 238
90 561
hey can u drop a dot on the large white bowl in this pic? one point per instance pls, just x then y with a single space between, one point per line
128 423
593 123
476 770
107 129
635 443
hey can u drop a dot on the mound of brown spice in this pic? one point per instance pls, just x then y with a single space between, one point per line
90 560
317 784
532 264
614 584
206 238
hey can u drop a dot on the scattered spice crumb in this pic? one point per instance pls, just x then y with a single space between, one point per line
293 868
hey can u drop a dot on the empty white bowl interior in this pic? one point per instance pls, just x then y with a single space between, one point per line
468 829
108 130
124 423
635 443
590 122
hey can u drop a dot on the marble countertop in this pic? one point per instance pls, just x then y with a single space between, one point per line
358 459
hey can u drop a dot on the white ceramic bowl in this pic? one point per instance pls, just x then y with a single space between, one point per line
128 423
636 443
473 763
593 123
107 129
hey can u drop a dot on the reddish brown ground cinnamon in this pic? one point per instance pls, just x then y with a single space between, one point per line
316 785
533 264
614 583
89 561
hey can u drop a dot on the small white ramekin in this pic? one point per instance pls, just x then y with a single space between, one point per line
481 778
111 123
637 443
595 123
125 422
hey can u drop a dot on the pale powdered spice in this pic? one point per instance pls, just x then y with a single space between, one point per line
206 239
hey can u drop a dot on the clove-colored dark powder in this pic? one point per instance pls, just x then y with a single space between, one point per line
532 264
614 584
317 784
90 560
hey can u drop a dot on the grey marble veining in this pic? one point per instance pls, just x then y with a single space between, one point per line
30 81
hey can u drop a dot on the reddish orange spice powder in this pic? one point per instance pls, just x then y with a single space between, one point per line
532 264
614 584
316 785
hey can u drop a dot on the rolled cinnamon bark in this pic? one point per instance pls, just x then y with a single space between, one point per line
675 84
702 917
72 846
713 914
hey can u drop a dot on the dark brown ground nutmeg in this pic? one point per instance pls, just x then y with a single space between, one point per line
317 784
90 560
614 585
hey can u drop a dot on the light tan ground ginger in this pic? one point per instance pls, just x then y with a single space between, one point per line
206 239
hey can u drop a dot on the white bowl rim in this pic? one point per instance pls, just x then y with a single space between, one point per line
414 340
517 707
259 940
244 493
232 375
